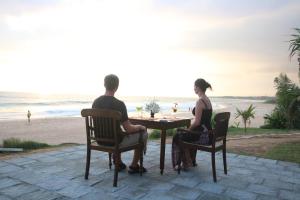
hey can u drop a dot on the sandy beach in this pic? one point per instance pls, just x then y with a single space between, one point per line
49 130
72 129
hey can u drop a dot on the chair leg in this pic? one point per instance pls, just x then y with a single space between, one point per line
116 172
179 160
213 163
178 169
193 156
109 155
224 160
141 161
87 167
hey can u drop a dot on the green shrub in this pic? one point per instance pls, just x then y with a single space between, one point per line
155 134
287 109
25 144
276 119
171 132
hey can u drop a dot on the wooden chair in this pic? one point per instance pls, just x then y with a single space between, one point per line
219 134
103 133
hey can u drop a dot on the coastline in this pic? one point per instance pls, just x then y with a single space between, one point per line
60 130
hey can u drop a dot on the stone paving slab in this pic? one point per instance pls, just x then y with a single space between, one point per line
59 175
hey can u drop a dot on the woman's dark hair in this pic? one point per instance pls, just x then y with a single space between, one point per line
202 84
111 82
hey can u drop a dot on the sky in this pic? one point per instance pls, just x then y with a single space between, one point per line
155 47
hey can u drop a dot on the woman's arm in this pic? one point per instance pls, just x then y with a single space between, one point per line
198 114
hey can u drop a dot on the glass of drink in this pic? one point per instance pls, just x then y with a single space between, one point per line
174 109
139 109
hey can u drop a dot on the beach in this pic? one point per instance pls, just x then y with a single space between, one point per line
72 129
48 130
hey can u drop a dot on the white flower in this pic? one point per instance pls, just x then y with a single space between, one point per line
152 106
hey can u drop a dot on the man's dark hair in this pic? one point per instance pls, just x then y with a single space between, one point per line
111 82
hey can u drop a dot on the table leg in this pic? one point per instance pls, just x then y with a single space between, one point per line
162 151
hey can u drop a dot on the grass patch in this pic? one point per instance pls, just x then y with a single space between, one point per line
285 152
232 131
25 144
258 131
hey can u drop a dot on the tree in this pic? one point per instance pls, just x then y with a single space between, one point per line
294 113
286 91
246 115
286 113
293 110
295 47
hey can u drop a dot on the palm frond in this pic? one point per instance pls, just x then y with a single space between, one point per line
295 43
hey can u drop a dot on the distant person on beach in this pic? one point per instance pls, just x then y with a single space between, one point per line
108 101
201 126
28 116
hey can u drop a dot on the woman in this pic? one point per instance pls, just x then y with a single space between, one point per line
200 128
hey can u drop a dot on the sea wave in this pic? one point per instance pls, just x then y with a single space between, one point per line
16 105
43 103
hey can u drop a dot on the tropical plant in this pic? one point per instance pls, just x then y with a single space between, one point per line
246 115
286 113
236 124
286 91
293 111
295 43
295 47
276 120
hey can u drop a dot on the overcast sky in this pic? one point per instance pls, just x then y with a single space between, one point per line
157 48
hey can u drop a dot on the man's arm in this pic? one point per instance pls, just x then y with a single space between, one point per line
130 128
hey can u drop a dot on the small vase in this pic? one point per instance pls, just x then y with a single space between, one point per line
152 114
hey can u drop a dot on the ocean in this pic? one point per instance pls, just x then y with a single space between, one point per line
15 105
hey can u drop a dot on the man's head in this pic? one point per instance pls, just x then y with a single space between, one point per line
111 82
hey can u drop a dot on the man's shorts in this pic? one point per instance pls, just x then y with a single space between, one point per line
132 139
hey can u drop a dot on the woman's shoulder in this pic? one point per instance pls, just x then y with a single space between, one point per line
205 102
200 104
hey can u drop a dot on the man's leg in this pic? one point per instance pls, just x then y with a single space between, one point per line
117 159
130 140
136 158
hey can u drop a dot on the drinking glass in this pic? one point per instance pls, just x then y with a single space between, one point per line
139 109
174 109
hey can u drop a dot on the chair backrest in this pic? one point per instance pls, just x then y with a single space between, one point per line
102 126
222 120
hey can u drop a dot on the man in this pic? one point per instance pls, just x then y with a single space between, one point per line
28 116
108 101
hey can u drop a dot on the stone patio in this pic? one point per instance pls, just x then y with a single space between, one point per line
60 175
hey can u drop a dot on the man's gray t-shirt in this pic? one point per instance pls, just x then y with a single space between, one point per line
110 102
